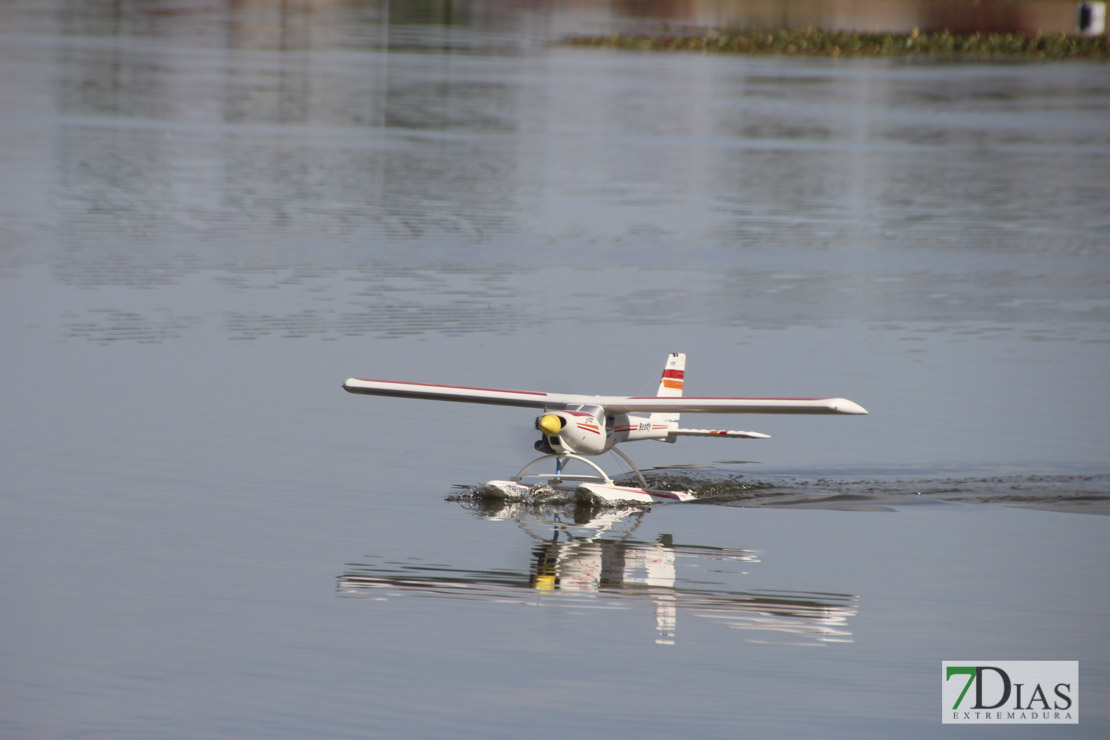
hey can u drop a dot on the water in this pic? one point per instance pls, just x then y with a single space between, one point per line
211 218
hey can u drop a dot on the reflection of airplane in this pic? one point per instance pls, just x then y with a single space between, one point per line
594 563
575 426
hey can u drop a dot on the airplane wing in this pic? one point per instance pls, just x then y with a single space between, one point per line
464 394
612 404
696 405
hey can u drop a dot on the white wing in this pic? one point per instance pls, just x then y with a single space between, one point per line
695 405
612 404
464 394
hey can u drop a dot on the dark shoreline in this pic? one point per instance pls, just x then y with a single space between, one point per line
811 42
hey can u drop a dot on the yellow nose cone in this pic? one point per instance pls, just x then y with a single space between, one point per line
551 425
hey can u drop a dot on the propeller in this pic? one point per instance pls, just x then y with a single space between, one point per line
551 424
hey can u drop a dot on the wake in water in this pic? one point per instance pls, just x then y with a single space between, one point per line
1075 493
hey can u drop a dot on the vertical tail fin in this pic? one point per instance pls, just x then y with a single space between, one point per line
670 385
674 375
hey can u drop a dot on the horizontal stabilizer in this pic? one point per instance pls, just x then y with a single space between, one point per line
718 433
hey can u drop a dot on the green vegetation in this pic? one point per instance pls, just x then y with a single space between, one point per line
811 42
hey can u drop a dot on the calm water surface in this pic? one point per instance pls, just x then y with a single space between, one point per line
210 218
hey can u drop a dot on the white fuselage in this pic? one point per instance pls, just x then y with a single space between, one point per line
588 430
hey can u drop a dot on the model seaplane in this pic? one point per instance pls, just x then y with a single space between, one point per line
576 427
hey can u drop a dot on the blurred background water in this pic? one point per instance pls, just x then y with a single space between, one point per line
213 214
